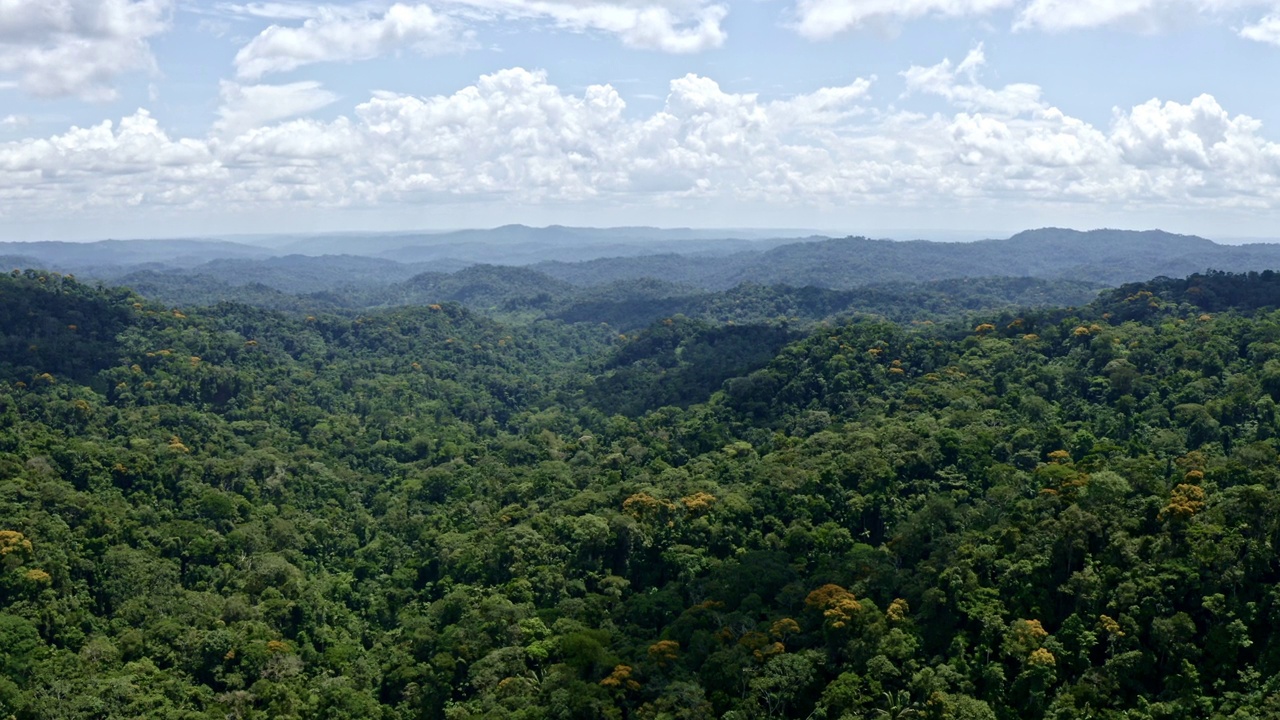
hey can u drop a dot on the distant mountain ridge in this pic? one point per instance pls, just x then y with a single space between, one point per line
1104 256
523 245
385 268
114 254
506 245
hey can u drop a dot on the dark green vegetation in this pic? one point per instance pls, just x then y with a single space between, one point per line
423 512
522 294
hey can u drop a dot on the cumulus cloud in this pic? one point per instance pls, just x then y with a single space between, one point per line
515 138
674 26
1140 15
335 36
824 106
77 47
272 10
1008 143
1077 14
822 19
105 166
1201 147
1266 30
249 106
960 85
336 33
1164 153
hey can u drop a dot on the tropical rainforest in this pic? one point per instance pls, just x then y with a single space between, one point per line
900 501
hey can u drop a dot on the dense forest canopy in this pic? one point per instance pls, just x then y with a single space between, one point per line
765 502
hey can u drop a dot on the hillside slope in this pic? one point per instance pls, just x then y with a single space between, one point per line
424 513
1103 256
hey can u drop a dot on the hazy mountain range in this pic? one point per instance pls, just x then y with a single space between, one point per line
557 271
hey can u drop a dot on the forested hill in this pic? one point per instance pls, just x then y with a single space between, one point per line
106 255
1213 291
422 512
359 273
522 294
1105 256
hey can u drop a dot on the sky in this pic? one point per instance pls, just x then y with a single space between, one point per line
173 118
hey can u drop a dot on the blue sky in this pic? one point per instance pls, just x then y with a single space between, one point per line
146 118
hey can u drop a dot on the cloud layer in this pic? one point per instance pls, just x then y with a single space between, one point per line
823 19
332 36
1266 30
514 137
56 48
334 33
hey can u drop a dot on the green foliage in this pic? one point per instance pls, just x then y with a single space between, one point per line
679 362
424 513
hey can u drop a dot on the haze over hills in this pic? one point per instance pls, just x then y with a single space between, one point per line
521 244
292 273
1033 252
557 271
108 254
507 245
1104 256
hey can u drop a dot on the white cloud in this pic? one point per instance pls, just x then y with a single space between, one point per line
1199 146
674 26
77 47
1266 30
332 33
515 139
959 85
249 106
103 167
1139 15
512 133
822 19
824 106
1156 153
136 144
1006 146
273 10
1077 14
333 36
